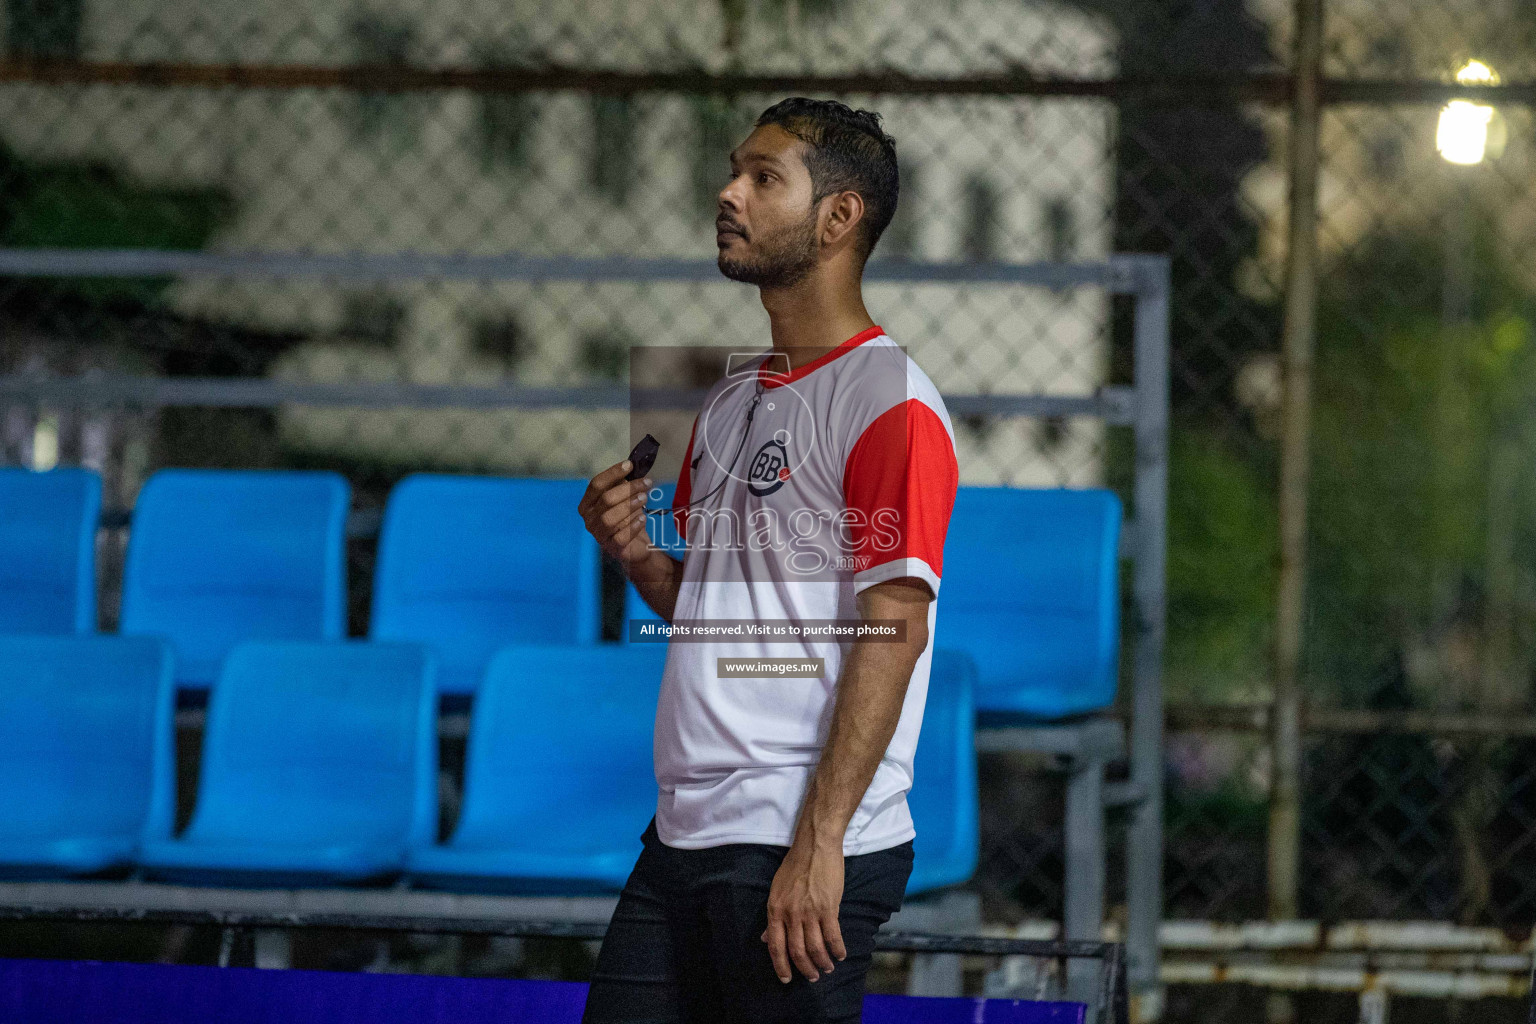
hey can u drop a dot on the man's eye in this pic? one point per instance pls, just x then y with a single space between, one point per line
764 178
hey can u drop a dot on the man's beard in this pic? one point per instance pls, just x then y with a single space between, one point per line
782 259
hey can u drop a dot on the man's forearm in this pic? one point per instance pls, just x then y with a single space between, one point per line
658 579
870 695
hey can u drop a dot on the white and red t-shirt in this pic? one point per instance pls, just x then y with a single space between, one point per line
846 478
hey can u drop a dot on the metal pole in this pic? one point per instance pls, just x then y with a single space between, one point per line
1084 917
1455 315
1144 856
1296 360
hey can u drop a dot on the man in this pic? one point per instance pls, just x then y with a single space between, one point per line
782 839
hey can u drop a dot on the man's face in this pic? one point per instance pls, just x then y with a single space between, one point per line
766 228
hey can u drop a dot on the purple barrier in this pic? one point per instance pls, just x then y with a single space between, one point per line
87 992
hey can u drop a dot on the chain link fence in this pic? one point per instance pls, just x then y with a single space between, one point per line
1060 132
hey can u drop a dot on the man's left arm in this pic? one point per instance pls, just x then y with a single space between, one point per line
900 480
807 891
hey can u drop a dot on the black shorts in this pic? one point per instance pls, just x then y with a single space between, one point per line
684 944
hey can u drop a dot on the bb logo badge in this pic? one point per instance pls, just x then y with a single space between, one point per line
769 470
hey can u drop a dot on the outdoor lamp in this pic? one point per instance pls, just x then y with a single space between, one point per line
1462 136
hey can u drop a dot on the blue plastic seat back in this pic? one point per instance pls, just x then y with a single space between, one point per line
1031 592
48 550
943 799
314 743
665 535
469 564
85 736
216 557
561 745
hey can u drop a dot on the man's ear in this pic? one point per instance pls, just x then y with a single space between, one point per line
843 213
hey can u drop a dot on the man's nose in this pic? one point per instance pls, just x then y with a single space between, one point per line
729 199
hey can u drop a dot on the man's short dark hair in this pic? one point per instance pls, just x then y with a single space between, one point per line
846 151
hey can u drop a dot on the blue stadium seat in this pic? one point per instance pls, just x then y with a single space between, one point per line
48 550
943 799
1031 593
559 782
319 767
216 557
469 564
665 535
86 752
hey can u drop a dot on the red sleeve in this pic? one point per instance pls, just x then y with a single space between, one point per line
684 492
899 486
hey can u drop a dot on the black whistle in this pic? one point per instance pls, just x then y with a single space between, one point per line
643 456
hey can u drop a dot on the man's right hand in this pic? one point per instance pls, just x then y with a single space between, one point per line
614 510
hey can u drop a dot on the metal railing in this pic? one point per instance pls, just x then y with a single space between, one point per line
1142 406
239 914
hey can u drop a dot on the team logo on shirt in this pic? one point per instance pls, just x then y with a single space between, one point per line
769 469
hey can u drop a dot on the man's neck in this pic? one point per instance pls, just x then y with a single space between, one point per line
814 316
